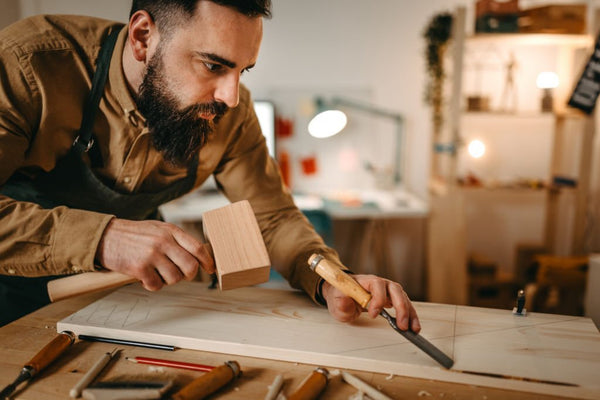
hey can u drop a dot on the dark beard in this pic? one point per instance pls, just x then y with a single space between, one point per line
177 134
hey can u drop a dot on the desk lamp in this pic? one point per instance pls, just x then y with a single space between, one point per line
547 81
329 121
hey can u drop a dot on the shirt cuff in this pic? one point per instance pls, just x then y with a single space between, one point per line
77 237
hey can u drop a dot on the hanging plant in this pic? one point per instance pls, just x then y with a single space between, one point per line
437 35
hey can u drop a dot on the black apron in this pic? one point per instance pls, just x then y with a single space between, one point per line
72 183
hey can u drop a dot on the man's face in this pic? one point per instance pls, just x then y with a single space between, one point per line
193 76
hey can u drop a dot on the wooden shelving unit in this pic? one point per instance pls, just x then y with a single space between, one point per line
565 137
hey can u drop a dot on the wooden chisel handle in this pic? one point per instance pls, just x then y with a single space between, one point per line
210 382
51 351
339 279
312 386
88 282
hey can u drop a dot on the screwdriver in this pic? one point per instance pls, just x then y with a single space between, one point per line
41 360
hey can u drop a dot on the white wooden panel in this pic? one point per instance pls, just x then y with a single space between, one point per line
286 325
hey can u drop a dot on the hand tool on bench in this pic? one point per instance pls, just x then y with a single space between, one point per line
41 360
210 382
351 288
312 386
134 390
234 239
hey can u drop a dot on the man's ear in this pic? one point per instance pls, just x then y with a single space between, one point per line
143 35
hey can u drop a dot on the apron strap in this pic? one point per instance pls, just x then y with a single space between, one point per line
84 142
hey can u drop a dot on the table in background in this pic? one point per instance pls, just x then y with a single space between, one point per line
360 225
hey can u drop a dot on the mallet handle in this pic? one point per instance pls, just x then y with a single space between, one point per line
88 282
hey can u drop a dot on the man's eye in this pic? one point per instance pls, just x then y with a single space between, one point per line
212 67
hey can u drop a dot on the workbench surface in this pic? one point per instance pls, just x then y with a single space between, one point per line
20 340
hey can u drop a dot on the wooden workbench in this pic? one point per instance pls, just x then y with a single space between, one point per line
20 340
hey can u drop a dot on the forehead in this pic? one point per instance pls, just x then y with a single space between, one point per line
222 31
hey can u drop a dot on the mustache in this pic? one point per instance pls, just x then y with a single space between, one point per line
216 108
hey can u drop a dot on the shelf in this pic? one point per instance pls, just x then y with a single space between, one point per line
534 39
508 114
509 189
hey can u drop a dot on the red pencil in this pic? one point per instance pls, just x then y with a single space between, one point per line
169 363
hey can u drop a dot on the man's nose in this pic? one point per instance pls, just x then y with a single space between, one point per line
228 90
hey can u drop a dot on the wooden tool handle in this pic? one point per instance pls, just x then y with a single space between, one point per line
209 383
74 285
87 282
312 386
51 351
339 279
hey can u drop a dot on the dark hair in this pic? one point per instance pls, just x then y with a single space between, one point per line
164 11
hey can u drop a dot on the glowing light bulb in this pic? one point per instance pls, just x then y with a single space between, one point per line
547 80
476 148
327 123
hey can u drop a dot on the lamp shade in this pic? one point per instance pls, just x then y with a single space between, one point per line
327 123
547 80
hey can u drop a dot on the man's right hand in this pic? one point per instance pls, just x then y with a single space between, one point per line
156 253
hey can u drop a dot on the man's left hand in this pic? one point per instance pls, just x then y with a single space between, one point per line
385 294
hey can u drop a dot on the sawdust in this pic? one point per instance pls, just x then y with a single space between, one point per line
424 393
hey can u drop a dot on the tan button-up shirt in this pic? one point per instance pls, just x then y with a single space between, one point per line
46 64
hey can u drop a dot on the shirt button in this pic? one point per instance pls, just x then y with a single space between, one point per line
75 268
12 271
127 179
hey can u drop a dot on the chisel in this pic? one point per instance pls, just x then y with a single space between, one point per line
350 287
210 382
41 360
312 386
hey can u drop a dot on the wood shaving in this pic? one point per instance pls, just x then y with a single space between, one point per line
358 396
389 377
423 393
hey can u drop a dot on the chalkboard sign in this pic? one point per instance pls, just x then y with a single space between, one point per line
586 92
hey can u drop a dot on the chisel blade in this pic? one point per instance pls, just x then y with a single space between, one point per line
420 342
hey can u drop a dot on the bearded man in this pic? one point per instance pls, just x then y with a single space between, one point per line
102 123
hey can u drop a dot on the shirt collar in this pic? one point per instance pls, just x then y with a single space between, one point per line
116 75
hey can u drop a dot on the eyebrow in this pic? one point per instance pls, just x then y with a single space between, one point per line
221 60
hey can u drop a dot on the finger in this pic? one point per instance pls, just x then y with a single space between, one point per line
415 324
401 304
197 249
152 281
379 299
169 273
185 262
340 306
207 261
343 308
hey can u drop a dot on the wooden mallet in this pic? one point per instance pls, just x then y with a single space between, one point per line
233 234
